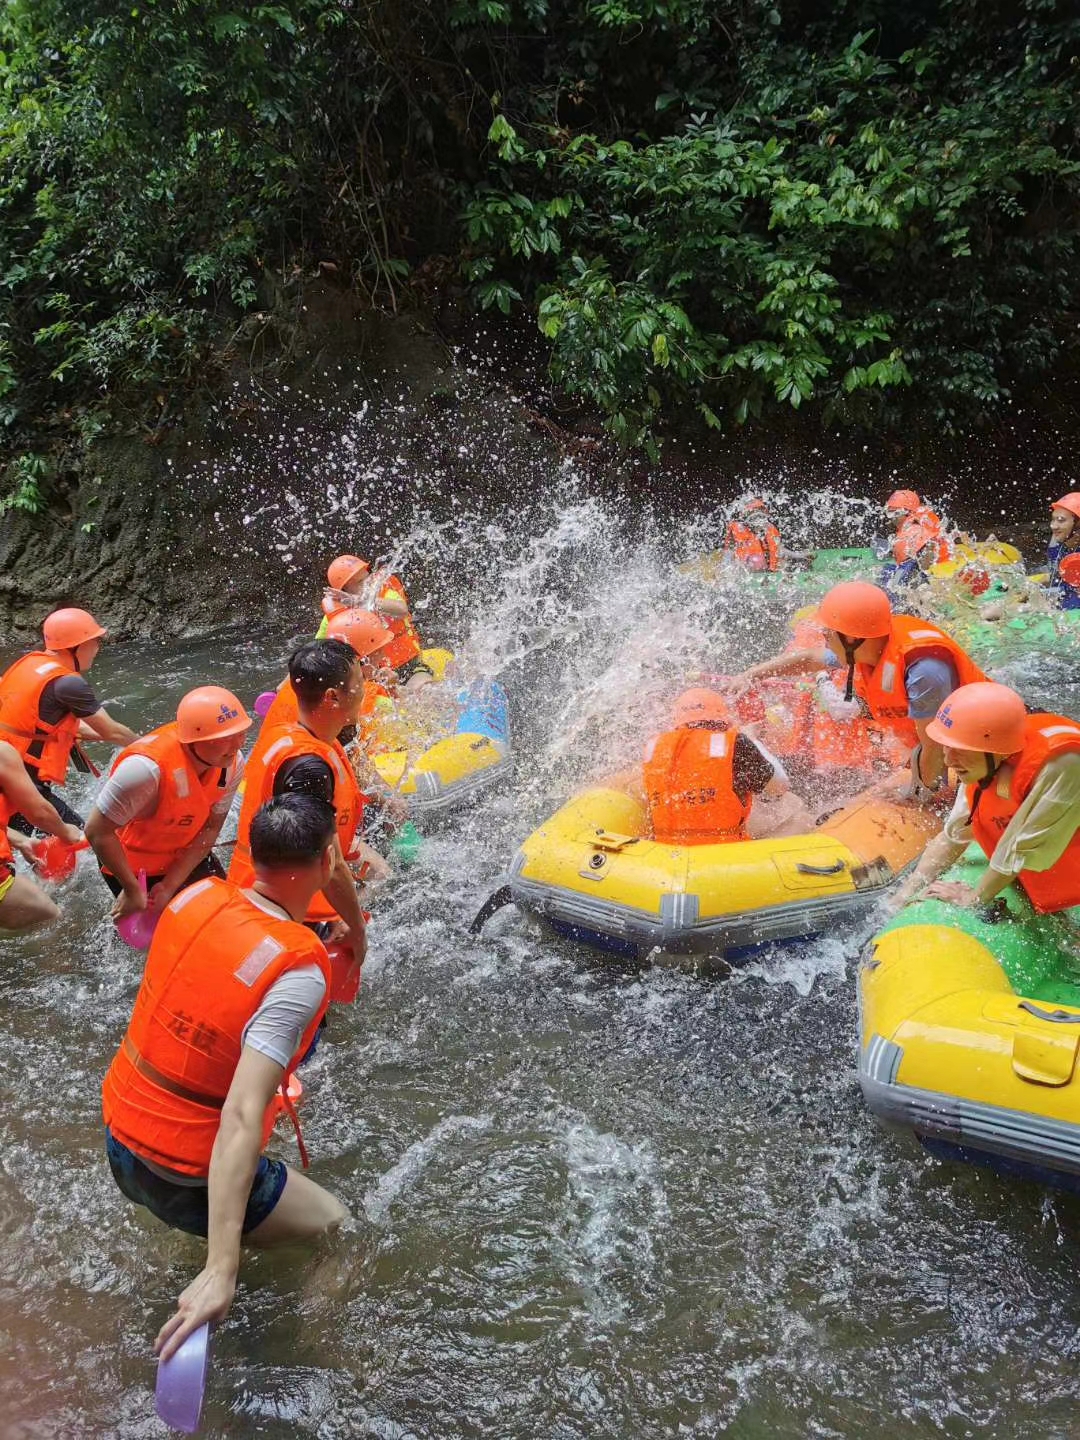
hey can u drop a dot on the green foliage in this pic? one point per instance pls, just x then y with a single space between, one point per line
24 484
713 208
848 229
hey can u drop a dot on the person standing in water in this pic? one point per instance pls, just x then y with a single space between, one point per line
47 706
166 799
24 905
234 989
902 669
304 756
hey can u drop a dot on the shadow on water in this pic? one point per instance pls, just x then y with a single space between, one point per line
589 1200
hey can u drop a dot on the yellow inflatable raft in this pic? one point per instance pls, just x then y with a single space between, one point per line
436 775
592 873
970 1033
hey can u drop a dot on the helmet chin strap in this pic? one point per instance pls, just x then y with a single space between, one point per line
850 645
993 765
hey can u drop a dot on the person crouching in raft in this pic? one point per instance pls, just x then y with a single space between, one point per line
233 992
902 669
47 706
702 776
24 905
348 578
1019 798
304 756
165 800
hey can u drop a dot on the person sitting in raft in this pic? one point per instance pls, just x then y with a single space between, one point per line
752 538
234 989
24 905
47 706
701 778
349 580
165 800
304 756
902 669
918 539
1019 798
1063 552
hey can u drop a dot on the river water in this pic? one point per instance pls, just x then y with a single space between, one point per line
588 1200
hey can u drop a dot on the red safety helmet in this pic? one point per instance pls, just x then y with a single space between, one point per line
210 712
700 707
68 629
984 716
344 569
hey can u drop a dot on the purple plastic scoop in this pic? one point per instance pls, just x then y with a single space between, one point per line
263 702
181 1382
137 930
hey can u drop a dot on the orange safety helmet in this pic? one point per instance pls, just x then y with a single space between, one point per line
70 628
1070 502
209 713
754 503
903 502
984 716
362 629
344 569
858 609
700 707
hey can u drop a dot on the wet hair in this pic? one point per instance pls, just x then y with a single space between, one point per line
290 830
319 665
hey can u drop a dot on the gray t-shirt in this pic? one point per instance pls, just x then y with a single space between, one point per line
68 695
131 791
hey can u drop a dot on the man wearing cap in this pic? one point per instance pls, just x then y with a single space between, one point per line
163 805
47 706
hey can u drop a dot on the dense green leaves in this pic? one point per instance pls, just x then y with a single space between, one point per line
712 207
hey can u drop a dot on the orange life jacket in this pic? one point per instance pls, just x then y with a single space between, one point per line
284 709
405 645
756 551
1045 737
20 719
7 809
882 686
183 805
690 790
214 956
920 529
274 746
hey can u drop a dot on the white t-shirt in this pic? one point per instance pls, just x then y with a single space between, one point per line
131 791
1040 831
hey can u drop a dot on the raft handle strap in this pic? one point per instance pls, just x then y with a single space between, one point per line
805 869
1056 1017
290 1110
495 901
